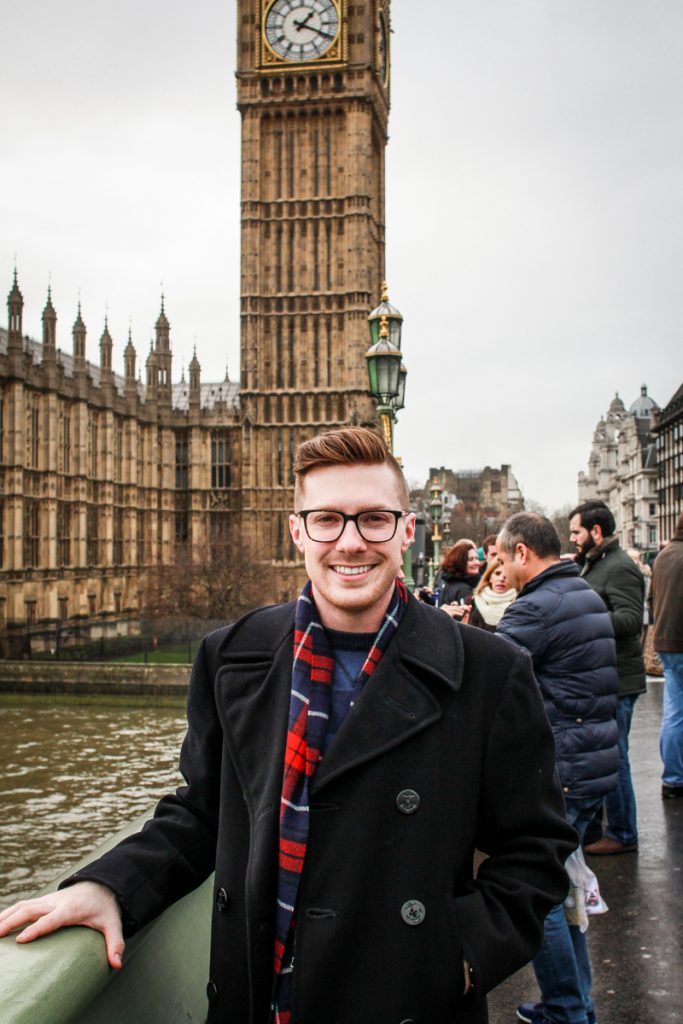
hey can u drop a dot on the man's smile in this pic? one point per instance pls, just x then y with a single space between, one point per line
351 570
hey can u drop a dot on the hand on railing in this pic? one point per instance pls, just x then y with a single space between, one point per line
86 903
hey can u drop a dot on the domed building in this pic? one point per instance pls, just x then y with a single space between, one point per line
622 470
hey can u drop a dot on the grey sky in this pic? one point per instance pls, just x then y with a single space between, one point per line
534 205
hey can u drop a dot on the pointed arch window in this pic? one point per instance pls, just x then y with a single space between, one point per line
220 459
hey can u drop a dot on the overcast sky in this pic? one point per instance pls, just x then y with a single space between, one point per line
534 205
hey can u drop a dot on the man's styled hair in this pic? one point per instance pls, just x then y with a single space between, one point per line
533 530
595 513
345 447
455 559
488 541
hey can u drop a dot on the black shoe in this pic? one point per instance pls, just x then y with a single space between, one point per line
669 792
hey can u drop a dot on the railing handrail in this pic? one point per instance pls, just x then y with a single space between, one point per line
64 978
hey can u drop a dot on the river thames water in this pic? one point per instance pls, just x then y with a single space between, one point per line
72 775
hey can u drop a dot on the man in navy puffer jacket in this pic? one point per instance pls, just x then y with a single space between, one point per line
567 630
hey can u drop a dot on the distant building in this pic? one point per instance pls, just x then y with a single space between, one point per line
668 429
622 470
476 501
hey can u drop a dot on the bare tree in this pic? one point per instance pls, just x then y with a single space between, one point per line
214 584
560 520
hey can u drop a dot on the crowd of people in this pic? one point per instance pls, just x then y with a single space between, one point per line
351 755
539 599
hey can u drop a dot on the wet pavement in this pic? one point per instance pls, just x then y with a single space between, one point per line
637 948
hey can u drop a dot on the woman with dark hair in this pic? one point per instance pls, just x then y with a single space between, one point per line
492 597
458 577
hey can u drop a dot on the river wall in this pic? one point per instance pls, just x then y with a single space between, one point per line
104 678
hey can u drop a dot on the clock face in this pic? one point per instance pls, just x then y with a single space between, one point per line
302 30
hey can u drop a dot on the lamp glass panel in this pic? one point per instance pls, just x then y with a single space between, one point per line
388 369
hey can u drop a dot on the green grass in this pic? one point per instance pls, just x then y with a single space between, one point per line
176 655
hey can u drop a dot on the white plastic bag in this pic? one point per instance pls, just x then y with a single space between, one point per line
584 894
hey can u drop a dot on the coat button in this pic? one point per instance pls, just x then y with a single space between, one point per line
222 901
408 801
413 912
212 993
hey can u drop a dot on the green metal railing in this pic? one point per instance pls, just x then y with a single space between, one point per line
64 978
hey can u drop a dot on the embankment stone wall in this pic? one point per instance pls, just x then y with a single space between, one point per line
36 677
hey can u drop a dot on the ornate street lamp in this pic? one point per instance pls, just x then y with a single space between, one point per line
384 373
387 378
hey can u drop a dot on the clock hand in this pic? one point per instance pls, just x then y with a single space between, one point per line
312 28
303 24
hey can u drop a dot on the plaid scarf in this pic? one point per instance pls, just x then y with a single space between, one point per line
309 713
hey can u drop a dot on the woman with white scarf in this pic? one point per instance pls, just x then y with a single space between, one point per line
492 597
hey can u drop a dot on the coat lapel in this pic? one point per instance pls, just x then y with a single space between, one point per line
255 696
396 703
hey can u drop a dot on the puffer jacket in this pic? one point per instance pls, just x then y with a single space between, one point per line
565 627
621 585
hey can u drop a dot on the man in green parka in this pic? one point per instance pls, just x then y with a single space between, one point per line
621 585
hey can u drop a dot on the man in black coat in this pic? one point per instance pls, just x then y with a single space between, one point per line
565 627
613 575
353 748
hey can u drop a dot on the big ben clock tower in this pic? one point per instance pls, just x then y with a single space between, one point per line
313 92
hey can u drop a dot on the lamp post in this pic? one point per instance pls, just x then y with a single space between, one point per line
447 529
384 372
435 509
387 379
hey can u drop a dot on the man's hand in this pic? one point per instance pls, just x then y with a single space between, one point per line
86 903
457 611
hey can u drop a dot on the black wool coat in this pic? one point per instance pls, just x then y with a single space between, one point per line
446 750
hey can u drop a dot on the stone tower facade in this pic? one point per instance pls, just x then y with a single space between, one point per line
104 478
313 92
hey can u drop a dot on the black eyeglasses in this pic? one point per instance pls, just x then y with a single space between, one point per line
376 526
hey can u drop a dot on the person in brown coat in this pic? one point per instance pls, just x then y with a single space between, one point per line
666 594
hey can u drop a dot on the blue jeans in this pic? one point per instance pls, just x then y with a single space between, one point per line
620 802
671 736
562 966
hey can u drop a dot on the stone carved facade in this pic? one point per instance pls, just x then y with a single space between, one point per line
313 140
102 476
622 471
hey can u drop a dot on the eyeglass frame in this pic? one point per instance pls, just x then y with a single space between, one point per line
347 518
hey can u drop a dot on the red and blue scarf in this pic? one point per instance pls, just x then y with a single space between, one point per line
309 712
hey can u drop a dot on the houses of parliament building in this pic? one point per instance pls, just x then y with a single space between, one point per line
103 477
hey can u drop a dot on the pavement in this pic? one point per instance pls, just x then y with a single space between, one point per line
636 949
